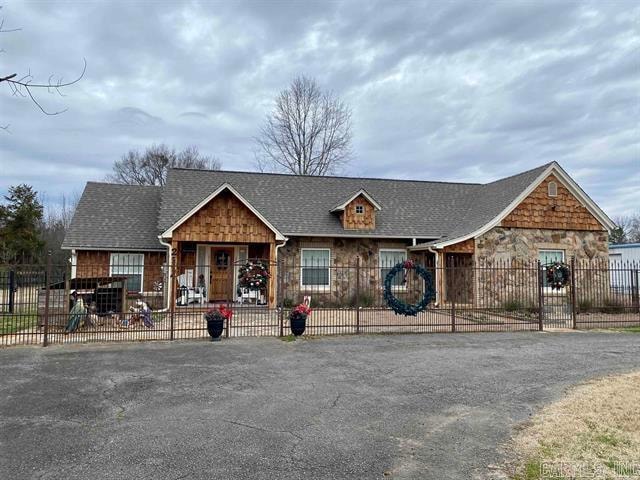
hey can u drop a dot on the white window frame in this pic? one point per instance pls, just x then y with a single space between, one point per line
111 265
544 270
359 207
315 288
396 288
555 185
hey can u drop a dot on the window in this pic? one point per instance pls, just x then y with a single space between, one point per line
130 265
315 272
553 189
359 209
389 259
547 257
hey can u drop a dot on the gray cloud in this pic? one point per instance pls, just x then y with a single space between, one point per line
450 91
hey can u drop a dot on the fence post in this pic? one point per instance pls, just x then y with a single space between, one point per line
635 288
173 278
454 294
12 290
357 302
574 323
280 273
540 298
47 280
453 314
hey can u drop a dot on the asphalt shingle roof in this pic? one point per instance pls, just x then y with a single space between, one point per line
119 216
113 216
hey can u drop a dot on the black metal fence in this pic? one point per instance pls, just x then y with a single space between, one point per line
43 304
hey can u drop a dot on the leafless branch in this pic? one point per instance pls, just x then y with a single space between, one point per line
22 86
308 132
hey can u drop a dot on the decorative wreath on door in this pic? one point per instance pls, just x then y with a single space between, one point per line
558 275
397 305
253 275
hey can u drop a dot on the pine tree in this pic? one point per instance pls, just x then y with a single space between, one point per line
20 221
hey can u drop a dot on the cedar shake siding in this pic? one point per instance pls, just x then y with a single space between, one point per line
96 263
224 219
353 220
563 212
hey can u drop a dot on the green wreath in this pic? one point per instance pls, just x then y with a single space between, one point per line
558 275
253 275
398 306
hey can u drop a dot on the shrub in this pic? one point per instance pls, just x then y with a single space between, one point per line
287 303
612 306
512 305
585 305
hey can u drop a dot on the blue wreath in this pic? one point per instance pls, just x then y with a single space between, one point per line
398 306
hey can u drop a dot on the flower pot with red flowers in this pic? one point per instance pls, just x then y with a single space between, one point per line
298 319
215 318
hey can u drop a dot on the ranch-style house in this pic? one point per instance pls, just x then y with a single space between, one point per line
211 222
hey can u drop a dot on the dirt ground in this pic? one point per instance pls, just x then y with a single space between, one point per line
259 321
248 322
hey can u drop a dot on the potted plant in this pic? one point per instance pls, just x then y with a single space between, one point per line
298 319
215 318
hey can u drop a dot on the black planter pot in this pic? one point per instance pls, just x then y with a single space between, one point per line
298 324
215 327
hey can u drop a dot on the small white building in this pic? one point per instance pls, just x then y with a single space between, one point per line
625 252
624 266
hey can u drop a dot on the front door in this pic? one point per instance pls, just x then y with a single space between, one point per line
221 274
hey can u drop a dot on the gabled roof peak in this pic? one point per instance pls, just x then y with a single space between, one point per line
361 192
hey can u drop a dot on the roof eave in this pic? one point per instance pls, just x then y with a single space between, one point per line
573 187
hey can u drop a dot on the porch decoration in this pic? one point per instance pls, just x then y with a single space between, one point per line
298 319
253 275
215 318
398 306
558 275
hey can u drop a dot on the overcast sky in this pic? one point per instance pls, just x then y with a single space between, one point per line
440 91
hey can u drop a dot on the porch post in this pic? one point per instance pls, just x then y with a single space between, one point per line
175 264
273 268
440 277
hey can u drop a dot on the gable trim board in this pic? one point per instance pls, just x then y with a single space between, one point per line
362 192
225 186
568 182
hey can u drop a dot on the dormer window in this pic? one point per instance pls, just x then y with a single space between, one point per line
552 189
358 212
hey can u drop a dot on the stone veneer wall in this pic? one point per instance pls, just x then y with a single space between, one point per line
523 244
517 250
344 255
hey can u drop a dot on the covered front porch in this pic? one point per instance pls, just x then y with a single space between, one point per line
210 243
208 273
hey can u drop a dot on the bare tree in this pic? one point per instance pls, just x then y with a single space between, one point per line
150 167
308 132
25 86
628 229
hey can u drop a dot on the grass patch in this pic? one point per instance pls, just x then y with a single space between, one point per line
629 329
15 322
288 338
594 430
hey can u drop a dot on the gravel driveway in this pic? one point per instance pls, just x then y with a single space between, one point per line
381 406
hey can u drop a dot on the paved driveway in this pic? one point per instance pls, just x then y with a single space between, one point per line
396 406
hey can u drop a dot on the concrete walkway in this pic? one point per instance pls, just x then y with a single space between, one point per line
381 406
